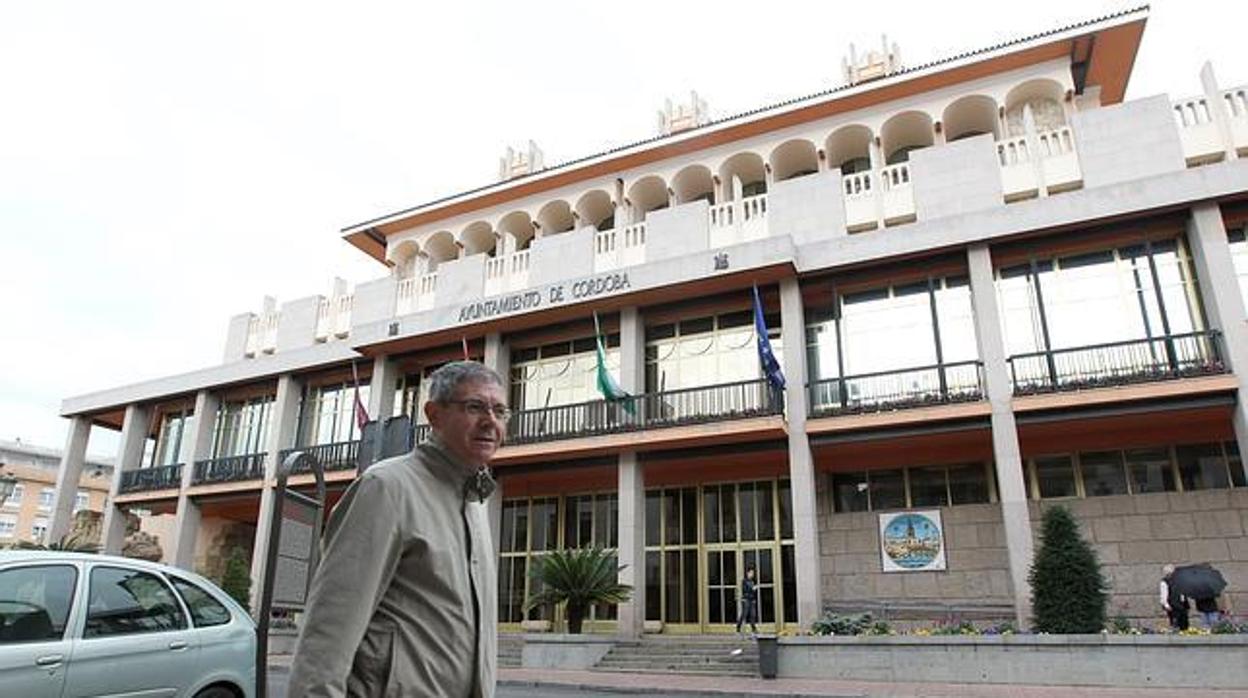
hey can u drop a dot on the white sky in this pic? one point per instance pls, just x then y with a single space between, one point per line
163 167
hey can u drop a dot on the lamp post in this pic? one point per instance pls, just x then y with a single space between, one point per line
7 484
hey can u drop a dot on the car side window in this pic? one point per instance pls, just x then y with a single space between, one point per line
35 602
125 601
205 610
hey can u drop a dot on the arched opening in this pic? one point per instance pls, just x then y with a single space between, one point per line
849 148
556 217
478 238
694 183
904 134
971 116
746 168
795 158
518 229
1044 97
646 195
403 256
595 208
440 247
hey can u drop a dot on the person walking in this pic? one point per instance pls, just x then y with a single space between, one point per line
404 602
749 602
1175 603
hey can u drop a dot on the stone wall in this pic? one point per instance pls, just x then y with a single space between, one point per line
1133 535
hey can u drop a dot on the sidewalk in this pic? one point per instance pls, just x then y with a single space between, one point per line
674 685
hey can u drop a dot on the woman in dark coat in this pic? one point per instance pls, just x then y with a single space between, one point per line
749 601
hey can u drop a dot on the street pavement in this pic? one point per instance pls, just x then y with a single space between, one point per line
542 683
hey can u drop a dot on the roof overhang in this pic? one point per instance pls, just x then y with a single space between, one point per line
1103 52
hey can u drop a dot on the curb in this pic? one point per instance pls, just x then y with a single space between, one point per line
664 690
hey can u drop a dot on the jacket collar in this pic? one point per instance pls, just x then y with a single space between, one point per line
475 483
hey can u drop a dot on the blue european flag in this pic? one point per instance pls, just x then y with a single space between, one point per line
766 357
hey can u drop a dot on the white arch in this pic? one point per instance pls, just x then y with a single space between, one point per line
478 238
519 227
595 208
903 133
556 217
647 194
1044 96
971 116
748 167
440 247
692 183
849 148
793 158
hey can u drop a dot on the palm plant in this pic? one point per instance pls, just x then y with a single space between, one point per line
577 578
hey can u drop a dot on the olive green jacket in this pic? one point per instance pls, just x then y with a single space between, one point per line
404 601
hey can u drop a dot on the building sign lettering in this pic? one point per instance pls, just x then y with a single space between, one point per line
531 300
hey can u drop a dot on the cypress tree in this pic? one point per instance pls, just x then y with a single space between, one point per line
1068 590
236 581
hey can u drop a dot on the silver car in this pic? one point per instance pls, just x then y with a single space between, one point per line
74 624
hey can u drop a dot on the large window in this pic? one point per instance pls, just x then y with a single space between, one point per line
1239 256
707 351
242 427
14 500
175 430
1128 293
329 413
1135 471
920 486
35 602
8 526
560 373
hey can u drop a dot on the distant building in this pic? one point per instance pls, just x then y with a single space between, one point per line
26 514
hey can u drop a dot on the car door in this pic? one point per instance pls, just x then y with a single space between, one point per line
135 639
36 604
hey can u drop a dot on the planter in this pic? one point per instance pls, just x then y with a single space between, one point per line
1211 661
559 651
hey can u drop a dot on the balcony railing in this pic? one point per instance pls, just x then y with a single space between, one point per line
161 477
896 390
1117 363
229 469
336 456
713 403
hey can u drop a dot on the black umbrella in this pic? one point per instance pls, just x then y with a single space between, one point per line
1197 581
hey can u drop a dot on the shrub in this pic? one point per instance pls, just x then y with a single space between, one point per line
1068 590
850 624
577 578
236 581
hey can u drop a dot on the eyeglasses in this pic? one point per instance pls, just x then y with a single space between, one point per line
480 408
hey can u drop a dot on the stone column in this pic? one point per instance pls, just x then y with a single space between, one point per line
495 506
498 357
134 431
284 418
801 461
186 524
1016 517
381 389
1224 306
1218 110
632 484
68 476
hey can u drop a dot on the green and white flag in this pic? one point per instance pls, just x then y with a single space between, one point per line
611 390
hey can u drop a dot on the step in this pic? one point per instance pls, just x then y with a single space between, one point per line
681 670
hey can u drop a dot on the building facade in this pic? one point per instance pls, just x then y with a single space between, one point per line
26 514
992 284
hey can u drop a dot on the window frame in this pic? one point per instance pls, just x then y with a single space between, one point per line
71 614
158 576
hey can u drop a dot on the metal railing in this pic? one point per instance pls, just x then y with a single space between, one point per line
336 456
755 398
249 466
161 477
894 390
1117 363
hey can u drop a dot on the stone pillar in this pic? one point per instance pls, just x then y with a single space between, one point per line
1224 306
1218 110
801 460
285 418
186 524
381 389
67 477
632 484
1015 515
134 431
498 357
495 507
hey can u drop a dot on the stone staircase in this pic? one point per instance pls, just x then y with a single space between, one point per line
710 655
509 647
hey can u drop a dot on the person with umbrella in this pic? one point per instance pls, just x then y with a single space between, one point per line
1202 583
1175 603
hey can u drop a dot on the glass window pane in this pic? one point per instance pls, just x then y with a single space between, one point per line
788 568
35 602
671 586
654 599
849 492
1103 473
1202 467
766 511
1056 476
888 489
122 602
671 517
689 515
1150 470
747 511
205 609
710 514
1236 464
786 510
968 484
653 524
927 487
